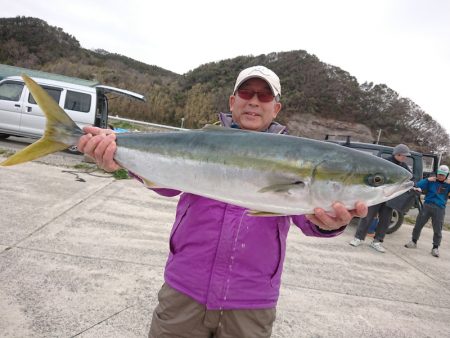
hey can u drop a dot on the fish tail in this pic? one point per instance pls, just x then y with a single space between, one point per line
60 130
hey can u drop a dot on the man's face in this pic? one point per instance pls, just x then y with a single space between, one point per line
252 114
400 158
441 177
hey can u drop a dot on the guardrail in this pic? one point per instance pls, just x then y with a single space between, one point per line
148 124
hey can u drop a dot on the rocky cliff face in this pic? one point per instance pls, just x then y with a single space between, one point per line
317 128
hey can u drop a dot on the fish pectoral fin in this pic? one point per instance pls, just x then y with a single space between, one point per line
150 184
283 187
257 213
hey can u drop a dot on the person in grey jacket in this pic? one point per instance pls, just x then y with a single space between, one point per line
384 212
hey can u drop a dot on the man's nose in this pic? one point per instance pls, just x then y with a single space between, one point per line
254 100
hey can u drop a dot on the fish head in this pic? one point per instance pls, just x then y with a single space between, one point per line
355 176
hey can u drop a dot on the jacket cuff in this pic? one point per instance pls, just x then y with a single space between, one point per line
330 232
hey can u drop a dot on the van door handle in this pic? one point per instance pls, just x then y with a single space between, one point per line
29 109
17 105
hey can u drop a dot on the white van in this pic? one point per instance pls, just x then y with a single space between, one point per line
21 116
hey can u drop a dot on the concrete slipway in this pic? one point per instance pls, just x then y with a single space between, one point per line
86 259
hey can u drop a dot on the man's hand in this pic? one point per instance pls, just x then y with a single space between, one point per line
432 179
342 216
99 144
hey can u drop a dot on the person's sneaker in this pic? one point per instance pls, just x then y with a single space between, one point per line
435 252
411 245
377 246
356 242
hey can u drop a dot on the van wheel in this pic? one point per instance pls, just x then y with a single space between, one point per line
396 221
3 136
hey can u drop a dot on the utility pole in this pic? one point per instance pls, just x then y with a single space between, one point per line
379 135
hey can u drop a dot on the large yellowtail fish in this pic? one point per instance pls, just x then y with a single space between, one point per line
265 173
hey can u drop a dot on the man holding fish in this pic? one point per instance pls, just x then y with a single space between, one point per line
223 273
241 185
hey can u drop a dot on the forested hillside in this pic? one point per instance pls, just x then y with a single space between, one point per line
309 86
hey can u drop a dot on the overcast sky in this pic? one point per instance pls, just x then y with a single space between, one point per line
404 44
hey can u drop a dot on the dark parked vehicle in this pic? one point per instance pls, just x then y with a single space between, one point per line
421 165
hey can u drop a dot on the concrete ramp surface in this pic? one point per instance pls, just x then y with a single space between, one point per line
85 258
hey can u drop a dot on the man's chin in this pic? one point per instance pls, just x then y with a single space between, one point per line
251 124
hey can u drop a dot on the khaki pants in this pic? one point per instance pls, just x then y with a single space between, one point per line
178 315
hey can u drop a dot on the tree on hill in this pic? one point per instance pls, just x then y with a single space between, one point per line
31 42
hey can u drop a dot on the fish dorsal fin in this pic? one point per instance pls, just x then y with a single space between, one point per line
212 127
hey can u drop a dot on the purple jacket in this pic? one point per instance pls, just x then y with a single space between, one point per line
225 259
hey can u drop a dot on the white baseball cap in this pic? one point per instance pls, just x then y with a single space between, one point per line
260 72
443 170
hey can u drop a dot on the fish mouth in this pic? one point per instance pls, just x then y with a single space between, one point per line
396 190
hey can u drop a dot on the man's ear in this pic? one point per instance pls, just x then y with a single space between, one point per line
231 102
276 109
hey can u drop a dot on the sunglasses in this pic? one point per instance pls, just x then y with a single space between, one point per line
247 94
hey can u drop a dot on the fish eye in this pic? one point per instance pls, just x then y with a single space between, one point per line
375 180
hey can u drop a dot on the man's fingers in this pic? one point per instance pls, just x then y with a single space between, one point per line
342 216
110 164
315 220
102 145
82 142
360 209
91 145
326 221
97 131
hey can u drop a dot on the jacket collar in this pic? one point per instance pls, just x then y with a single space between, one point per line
227 121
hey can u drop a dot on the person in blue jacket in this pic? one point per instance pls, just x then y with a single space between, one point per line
437 189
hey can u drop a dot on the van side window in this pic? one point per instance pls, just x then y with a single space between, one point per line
55 93
78 101
428 163
11 91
